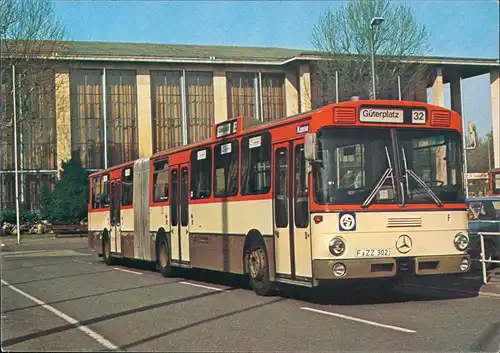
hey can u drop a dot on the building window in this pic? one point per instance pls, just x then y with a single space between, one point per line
160 181
256 164
256 94
241 94
87 124
200 105
226 169
121 116
201 173
166 103
127 186
273 96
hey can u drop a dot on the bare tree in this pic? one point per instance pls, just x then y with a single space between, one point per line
344 37
30 38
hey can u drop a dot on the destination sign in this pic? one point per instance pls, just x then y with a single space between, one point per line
227 128
377 115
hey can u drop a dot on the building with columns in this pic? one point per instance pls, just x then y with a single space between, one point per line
115 102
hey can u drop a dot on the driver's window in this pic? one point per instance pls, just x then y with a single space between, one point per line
430 160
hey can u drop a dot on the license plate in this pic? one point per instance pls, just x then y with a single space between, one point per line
372 252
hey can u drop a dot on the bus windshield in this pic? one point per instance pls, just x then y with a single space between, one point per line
353 162
357 166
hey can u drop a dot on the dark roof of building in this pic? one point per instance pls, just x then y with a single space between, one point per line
178 51
121 51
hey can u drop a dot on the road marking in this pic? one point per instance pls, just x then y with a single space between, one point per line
440 289
128 271
83 262
359 320
202 286
97 337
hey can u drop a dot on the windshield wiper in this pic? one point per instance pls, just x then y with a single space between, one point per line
409 172
388 173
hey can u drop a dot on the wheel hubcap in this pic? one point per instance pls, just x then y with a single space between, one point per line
257 262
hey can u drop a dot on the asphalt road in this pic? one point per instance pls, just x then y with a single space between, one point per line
56 295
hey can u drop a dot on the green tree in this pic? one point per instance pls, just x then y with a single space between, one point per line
344 36
67 202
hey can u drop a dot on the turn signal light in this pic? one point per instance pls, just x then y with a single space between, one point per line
318 219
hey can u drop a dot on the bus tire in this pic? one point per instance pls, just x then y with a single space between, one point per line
106 249
258 269
164 257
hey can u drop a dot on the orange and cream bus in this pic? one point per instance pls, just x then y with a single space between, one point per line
494 182
354 190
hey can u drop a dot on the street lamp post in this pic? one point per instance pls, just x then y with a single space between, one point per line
374 22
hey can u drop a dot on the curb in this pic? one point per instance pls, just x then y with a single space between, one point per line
58 236
441 289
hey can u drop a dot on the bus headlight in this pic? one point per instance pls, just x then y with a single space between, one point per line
461 241
336 246
339 269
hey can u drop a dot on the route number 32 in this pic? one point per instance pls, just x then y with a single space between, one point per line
418 117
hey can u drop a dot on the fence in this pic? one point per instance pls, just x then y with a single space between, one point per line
483 259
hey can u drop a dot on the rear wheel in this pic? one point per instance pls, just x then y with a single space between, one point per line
258 269
164 259
106 250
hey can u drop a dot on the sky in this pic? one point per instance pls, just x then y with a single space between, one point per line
468 28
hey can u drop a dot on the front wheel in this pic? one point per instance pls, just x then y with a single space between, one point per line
258 270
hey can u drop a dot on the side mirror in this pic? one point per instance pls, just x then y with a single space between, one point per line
310 147
471 129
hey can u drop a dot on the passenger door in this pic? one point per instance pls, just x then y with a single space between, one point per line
283 221
179 212
115 215
301 224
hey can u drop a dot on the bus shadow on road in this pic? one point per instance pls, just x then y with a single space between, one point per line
430 288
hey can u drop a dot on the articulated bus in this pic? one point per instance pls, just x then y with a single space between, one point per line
359 190
494 182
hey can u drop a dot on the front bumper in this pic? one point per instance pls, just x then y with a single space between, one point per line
389 267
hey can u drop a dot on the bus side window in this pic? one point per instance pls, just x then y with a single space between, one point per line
127 186
226 169
201 173
301 196
105 191
256 164
160 181
96 192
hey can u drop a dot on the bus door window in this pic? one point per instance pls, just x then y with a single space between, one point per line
184 196
105 191
127 194
174 210
281 197
301 198
112 204
116 202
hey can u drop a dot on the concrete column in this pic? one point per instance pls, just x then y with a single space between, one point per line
291 93
63 116
220 97
305 88
495 112
437 87
144 119
456 101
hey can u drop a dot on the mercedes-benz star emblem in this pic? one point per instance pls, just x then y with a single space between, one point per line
403 244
